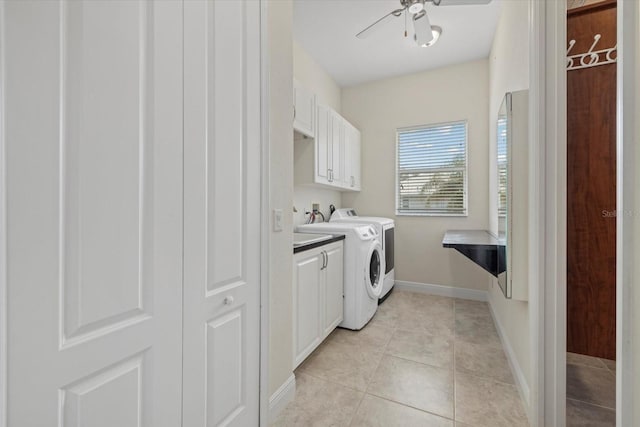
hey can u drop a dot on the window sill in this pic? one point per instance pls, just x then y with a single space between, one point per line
464 215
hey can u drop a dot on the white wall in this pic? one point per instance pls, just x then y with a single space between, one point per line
304 196
312 76
279 21
458 92
508 72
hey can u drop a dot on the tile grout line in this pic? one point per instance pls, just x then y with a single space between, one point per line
373 373
355 412
331 381
388 399
592 404
386 346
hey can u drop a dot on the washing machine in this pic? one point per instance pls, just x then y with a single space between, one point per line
385 228
363 269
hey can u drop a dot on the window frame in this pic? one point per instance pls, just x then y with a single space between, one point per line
465 198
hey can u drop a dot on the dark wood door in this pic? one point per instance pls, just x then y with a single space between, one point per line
591 192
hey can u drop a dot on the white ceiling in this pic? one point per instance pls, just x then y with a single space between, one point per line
326 29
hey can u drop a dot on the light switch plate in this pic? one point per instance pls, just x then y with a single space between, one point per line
277 220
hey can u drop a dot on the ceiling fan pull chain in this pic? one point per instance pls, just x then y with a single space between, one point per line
405 22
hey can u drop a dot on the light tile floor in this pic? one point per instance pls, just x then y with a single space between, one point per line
423 360
591 391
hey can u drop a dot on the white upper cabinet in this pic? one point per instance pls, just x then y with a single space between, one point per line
336 144
323 149
332 157
304 110
351 158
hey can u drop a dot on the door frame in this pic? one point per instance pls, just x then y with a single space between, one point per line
627 223
548 78
3 240
265 209
537 218
547 118
554 293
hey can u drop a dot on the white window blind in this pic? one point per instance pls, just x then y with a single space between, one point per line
502 166
432 170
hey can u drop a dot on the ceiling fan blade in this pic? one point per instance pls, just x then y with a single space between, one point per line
422 28
367 31
459 2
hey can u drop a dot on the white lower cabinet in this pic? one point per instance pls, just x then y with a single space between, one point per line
318 297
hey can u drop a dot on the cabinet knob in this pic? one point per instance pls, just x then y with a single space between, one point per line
228 300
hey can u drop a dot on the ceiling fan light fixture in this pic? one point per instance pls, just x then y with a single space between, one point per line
437 32
423 33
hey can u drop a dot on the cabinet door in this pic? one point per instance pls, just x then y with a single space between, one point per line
306 304
333 287
323 145
347 181
356 140
93 121
304 106
222 183
336 164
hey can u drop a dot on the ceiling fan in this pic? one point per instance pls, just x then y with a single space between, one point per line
424 33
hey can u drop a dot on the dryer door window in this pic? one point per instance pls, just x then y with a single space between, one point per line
374 267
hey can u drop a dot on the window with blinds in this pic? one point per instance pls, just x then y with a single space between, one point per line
432 170
502 166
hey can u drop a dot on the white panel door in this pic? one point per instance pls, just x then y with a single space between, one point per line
222 213
94 193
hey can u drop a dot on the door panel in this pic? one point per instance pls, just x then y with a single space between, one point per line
121 384
591 190
334 290
224 367
304 109
323 144
306 301
337 147
95 265
221 207
355 159
347 149
104 213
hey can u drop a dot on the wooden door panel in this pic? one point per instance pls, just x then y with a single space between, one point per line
591 189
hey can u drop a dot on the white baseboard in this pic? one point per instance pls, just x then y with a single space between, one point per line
282 396
521 381
445 291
